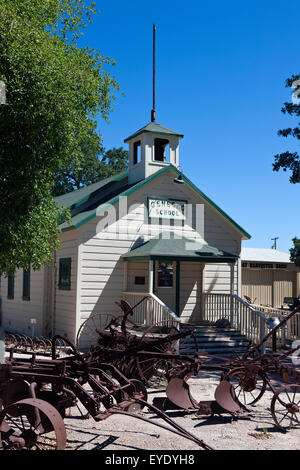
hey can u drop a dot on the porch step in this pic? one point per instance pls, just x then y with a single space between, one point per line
215 341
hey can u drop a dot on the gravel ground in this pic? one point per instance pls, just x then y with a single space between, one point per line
251 431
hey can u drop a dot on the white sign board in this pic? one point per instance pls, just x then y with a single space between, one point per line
173 209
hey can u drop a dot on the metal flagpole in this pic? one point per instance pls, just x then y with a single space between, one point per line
153 109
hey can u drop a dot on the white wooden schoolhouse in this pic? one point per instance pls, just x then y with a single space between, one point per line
148 231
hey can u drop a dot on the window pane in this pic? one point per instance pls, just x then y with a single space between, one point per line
165 275
64 273
26 284
10 286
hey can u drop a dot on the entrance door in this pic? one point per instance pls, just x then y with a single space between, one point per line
182 292
191 291
165 282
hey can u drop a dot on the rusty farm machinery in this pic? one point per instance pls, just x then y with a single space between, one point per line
112 377
243 379
36 392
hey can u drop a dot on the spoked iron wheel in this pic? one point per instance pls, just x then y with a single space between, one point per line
285 407
87 334
149 368
248 387
31 424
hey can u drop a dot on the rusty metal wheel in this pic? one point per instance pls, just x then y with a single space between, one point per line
87 335
31 424
151 369
285 407
139 389
248 386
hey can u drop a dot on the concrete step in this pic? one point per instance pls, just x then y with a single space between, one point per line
215 351
209 339
212 340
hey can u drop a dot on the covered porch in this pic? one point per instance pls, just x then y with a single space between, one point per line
165 278
170 271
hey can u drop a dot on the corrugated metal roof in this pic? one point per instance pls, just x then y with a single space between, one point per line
265 254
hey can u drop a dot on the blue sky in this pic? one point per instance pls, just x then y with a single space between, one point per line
220 80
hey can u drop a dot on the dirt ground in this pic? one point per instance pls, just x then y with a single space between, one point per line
254 430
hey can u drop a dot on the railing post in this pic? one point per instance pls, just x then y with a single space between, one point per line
231 291
262 333
203 306
149 315
150 281
125 275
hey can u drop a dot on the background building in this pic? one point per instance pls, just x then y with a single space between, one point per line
268 276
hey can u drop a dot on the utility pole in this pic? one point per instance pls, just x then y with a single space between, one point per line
274 246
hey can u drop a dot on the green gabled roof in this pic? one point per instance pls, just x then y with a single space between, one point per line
96 199
81 195
166 246
154 128
93 200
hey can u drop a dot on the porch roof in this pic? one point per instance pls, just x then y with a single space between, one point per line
169 248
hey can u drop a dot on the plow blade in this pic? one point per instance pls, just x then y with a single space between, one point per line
226 398
178 393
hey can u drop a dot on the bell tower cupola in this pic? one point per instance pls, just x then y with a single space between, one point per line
150 149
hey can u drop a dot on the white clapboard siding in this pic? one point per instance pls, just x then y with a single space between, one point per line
65 300
18 312
137 268
102 269
217 278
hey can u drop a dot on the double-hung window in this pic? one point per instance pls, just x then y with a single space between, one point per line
10 286
26 283
64 274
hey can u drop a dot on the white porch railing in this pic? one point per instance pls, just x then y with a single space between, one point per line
291 330
241 315
252 321
151 311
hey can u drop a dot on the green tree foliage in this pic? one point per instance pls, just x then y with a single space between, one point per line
55 91
295 251
290 160
89 168
113 161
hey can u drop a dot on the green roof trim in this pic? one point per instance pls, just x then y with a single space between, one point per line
97 198
154 128
166 246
